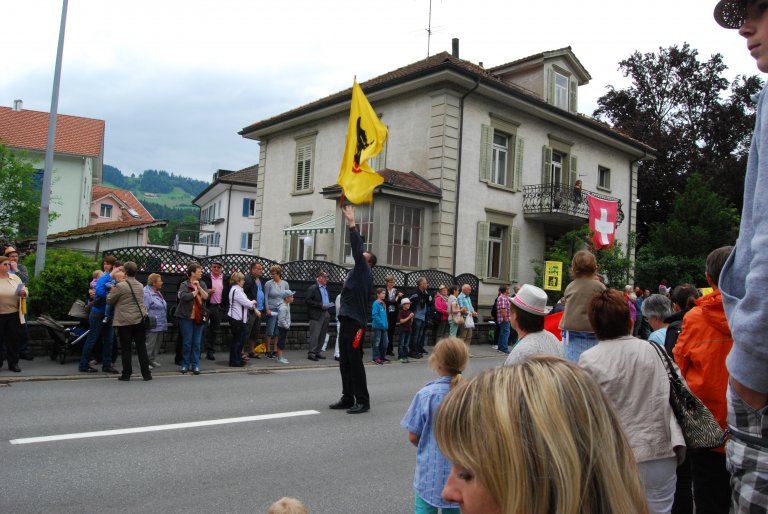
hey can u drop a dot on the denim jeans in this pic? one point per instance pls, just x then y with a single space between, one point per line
504 329
191 336
97 329
380 343
418 334
402 349
576 343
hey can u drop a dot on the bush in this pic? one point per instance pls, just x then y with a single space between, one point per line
65 278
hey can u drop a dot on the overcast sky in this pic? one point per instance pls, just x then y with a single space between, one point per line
176 80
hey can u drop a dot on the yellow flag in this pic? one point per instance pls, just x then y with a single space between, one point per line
365 138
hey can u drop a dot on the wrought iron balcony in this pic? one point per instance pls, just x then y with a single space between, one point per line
560 203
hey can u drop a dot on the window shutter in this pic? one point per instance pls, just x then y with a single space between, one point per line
379 161
550 86
519 146
546 164
486 152
574 175
243 240
573 100
309 251
286 247
481 252
246 205
514 254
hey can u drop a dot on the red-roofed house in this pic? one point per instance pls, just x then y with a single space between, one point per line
110 204
77 162
481 168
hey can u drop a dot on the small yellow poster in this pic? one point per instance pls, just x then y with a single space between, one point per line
553 275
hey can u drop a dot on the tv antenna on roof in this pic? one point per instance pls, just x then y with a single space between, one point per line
429 27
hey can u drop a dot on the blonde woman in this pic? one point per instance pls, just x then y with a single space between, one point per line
273 297
556 446
578 334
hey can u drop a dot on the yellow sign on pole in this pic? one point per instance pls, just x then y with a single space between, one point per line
553 275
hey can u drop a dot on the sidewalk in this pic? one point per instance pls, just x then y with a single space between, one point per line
43 368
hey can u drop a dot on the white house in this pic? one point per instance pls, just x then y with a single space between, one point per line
77 162
227 211
501 147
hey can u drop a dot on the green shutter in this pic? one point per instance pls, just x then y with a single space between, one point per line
574 175
486 152
379 161
286 247
550 86
573 103
546 164
481 251
514 254
519 146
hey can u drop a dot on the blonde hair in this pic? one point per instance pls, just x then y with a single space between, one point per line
235 278
152 278
97 274
288 505
276 268
557 446
450 354
583 264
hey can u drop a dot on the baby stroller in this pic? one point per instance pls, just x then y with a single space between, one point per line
67 339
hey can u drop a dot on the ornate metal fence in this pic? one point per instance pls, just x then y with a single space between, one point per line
172 265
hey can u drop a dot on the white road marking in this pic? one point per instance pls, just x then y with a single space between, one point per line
156 428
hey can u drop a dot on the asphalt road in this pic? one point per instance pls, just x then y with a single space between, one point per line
333 461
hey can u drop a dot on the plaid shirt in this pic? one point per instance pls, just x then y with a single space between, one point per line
502 308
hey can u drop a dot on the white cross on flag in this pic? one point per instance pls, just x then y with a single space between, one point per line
602 221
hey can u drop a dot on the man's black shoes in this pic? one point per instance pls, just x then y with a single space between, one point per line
359 408
342 404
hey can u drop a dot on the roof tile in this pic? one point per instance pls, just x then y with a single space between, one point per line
29 130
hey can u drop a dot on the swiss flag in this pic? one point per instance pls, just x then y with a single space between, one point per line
602 221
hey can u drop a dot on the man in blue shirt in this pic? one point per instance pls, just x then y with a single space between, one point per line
421 303
318 307
100 329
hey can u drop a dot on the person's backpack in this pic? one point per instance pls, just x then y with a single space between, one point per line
494 309
673 332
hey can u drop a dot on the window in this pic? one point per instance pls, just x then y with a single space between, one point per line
497 251
499 158
603 178
246 241
249 207
556 173
404 240
561 91
105 211
501 154
364 220
297 246
305 149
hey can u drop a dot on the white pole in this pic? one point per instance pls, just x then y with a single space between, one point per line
45 201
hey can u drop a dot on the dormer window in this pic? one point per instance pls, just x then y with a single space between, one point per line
562 88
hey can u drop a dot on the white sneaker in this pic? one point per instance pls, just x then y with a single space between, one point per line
494 347
154 364
282 360
151 366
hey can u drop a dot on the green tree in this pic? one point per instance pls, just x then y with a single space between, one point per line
19 196
700 222
680 105
65 278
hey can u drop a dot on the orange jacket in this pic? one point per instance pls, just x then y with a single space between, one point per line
701 350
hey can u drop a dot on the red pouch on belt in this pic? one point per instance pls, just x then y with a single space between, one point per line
358 338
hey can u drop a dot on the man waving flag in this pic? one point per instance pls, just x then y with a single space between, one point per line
365 138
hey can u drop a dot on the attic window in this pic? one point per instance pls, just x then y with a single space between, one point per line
133 213
105 211
561 91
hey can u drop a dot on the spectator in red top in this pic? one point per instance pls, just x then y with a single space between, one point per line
700 352
502 318
441 306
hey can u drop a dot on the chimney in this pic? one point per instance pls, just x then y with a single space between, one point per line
455 47
17 105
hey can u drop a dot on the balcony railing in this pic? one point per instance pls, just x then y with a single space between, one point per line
560 201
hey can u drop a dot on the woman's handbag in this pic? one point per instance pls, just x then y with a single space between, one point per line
458 319
147 321
700 429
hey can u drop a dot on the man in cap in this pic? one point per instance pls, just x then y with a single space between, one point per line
319 305
743 282
526 314
218 304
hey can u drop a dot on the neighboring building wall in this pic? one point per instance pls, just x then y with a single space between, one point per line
103 242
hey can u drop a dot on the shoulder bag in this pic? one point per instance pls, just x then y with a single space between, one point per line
148 321
700 429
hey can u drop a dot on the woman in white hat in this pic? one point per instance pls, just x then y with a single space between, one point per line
527 310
